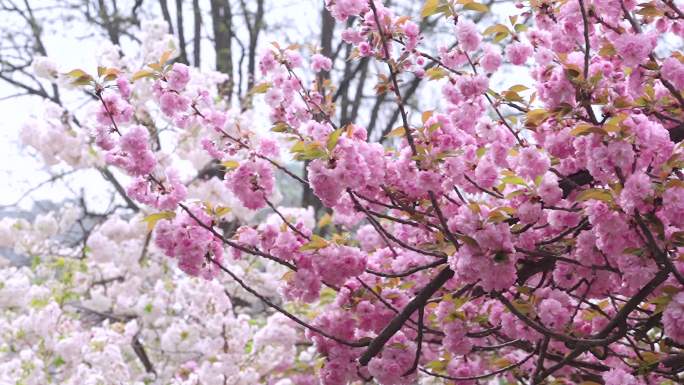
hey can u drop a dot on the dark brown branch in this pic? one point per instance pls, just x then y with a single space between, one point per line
397 322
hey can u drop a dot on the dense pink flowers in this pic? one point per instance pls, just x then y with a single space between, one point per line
115 109
412 33
636 192
470 87
634 48
389 367
673 71
619 377
486 173
187 240
468 36
252 183
532 163
455 329
491 59
673 204
553 314
133 153
356 164
172 103
324 182
320 63
517 53
178 77
343 9
494 272
673 318
337 263
511 216
164 197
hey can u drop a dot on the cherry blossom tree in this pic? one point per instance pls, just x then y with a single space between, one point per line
528 234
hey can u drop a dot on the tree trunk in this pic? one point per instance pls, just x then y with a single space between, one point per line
183 58
165 13
222 19
197 39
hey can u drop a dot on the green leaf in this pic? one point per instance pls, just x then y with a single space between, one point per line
633 251
316 243
607 50
230 164
433 127
333 138
649 9
496 28
437 365
500 36
260 88
325 220
76 73
661 302
38 303
59 361
595 194
308 151
397 132
429 8
513 180
572 71
523 306
520 28
152 219
280 127
586 129
512 96
518 88
83 80
142 74
468 240
435 73
477 7
221 211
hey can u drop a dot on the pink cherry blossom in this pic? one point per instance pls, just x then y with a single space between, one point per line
468 36
320 63
517 53
252 182
634 48
178 77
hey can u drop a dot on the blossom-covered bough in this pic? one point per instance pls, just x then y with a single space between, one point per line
530 235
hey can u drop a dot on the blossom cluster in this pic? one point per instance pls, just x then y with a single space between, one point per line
122 314
531 233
